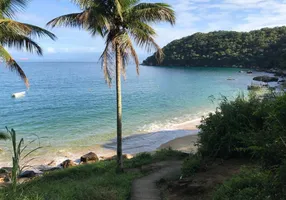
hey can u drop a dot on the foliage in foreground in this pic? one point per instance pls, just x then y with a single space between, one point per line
19 162
246 127
148 158
254 184
191 165
88 182
254 129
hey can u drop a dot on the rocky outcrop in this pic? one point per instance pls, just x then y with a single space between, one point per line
68 164
266 79
89 158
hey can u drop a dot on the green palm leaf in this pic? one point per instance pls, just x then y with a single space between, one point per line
8 8
13 65
153 12
19 35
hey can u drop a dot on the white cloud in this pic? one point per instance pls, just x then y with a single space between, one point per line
192 16
51 50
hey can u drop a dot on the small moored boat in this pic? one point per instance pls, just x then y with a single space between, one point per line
18 94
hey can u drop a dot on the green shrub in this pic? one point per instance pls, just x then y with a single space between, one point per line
191 165
169 154
86 182
246 127
139 160
250 184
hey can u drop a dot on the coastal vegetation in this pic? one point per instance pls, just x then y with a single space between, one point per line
18 35
119 22
250 130
263 49
90 181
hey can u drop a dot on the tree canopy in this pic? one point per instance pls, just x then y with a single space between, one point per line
265 48
18 35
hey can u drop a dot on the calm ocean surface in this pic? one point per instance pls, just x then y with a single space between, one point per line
70 105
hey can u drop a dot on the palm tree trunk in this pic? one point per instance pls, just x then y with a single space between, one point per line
119 109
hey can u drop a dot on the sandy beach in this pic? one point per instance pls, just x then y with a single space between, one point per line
185 144
162 139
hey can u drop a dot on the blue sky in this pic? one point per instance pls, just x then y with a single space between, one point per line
192 16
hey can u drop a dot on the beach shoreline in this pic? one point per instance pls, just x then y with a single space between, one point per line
181 137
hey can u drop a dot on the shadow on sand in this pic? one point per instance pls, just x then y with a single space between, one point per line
149 141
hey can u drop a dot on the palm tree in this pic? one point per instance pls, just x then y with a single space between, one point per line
119 22
19 35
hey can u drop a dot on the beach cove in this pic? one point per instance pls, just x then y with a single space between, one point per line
71 107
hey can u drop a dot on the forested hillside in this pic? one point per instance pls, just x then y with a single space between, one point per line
265 48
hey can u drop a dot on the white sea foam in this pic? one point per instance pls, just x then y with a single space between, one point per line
189 121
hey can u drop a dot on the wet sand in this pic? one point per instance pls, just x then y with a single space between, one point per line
185 144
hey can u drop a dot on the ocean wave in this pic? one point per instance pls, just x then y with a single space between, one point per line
189 120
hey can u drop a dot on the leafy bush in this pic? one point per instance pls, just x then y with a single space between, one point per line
139 160
85 182
169 154
250 184
191 165
246 127
148 158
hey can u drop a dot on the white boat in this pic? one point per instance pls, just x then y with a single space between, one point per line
18 94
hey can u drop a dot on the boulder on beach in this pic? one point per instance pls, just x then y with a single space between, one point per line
89 158
28 174
5 175
4 178
266 79
68 164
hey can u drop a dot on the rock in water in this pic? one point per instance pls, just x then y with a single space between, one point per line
68 164
90 157
266 79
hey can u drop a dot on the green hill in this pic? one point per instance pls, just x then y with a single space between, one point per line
265 48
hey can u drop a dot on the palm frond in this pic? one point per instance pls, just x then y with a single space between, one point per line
83 4
8 25
39 32
153 12
90 19
118 8
9 8
127 51
145 40
13 65
128 4
11 26
69 20
107 61
21 42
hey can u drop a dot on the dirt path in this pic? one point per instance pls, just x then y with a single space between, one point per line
202 185
145 188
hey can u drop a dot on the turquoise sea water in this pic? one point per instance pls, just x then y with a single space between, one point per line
70 105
